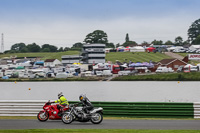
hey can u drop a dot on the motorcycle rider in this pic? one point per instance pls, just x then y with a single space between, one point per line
87 105
62 102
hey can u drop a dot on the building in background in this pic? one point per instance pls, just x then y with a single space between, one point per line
93 53
52 62
70 59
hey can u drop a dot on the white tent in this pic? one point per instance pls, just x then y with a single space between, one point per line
194 47
171 49
137 49
188 65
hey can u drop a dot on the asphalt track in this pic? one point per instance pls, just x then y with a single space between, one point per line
106 124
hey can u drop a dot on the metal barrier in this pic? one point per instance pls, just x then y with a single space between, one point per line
197 110
122 109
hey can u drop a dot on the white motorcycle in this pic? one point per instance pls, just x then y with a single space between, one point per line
77 114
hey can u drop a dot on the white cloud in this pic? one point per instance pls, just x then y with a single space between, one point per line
65 32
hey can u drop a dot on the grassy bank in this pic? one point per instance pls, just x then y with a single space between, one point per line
121 56
96 131
193 76
45 55
135 57
161 77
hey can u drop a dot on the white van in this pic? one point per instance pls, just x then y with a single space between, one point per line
107 73
164 69
1 74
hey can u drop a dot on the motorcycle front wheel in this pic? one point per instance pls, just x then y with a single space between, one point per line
97 118
42 116
67 118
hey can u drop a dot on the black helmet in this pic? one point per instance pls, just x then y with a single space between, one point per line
60 94
82 97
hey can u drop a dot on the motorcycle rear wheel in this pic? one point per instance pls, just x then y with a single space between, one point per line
42 116
67 118
97 118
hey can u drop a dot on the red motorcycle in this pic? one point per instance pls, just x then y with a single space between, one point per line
51 112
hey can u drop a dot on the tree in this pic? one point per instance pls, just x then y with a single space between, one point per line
155 42
98 36
117 45
197 40
33 47
194 31
66 48
110 45
61 49
127 38
129 43
45 50
77 45
52 48
24 50
169 42
144 43
18 47
178 41
186 42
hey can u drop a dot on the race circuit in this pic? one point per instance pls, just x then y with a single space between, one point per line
106 124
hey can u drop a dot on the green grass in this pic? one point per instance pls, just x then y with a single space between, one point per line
96 131
121 56
46 55
135 57
193 76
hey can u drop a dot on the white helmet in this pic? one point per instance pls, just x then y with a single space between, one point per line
60 94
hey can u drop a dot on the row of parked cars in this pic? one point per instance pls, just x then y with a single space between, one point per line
182 50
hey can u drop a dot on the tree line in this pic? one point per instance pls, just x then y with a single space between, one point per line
99 36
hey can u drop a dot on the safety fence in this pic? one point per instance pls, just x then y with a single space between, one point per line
119 109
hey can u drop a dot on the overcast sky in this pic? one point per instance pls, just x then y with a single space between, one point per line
65 22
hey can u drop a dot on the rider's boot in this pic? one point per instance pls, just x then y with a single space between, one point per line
59 113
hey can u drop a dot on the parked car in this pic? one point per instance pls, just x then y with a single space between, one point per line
99 73
121 73
194 69
182 50
133 72
198 51
164 69
86 74
107 73
191 51
180 69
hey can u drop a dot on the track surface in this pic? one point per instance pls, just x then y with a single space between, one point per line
106 124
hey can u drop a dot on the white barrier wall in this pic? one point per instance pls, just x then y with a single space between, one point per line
129 91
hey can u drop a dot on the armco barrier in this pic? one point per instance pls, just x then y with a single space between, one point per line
197 110
122 109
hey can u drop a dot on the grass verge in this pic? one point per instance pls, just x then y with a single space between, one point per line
193 76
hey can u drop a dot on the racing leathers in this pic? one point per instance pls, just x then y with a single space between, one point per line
87 105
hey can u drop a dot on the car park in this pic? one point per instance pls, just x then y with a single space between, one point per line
198 51
164 69
180 69
191 51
